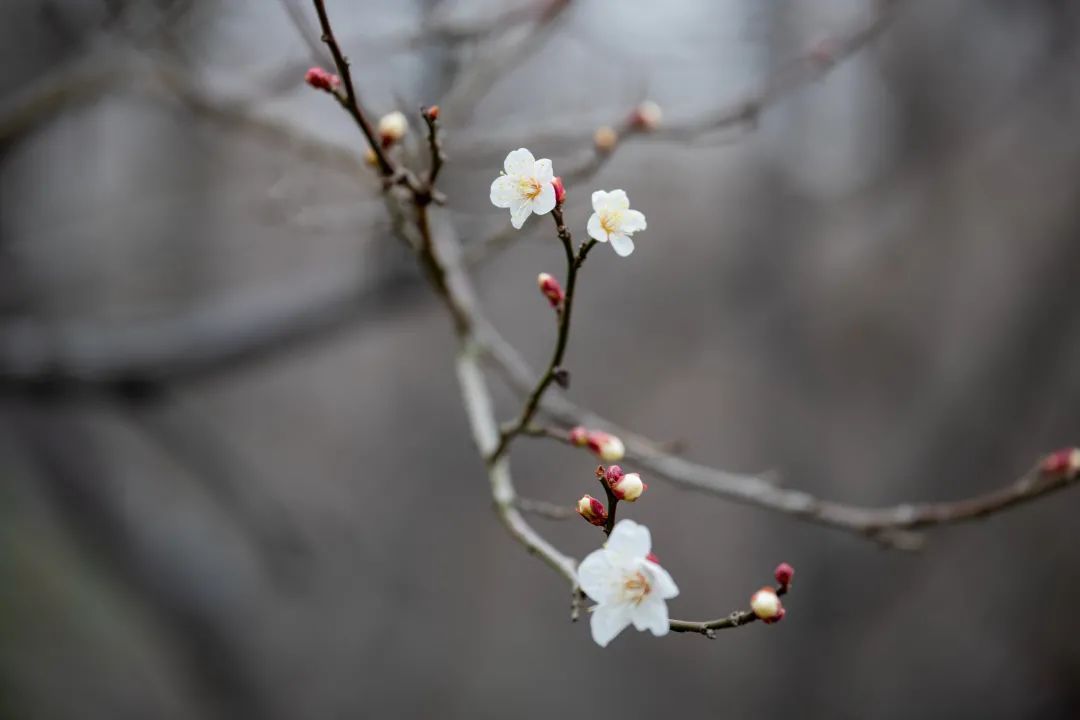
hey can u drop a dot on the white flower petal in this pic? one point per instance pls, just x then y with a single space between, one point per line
651 615
519 162
503 191
542 170
633 221
608 621
622 244
630 539
520 209
617 199
545 201
596 231
663 586
599 200
599 577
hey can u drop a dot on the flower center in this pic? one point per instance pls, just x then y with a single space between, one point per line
636 587
610 221
529 188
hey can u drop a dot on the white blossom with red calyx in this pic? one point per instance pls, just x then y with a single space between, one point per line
627 586
613 221
524 187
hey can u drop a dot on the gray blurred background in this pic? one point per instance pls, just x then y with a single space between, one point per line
871 293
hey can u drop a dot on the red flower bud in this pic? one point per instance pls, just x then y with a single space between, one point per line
560 191
783 574
613 474
592 510
432 113
579 436
646 116
320 79
551 289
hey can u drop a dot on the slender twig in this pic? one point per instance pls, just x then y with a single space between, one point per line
708 628
612 500
351 102
435 148
545 509
573 265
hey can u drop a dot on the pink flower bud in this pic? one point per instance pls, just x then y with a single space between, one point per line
613 474
432 112
766 604
560 191
607 447
647 116
629 487
578 436
592 510
551 289
783 574
1061 462
320 79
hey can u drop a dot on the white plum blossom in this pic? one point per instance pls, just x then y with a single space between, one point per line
626 585
525 187
614 221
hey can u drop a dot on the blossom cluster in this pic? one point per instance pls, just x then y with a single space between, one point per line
528 186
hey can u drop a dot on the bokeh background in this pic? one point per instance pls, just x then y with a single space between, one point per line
870 292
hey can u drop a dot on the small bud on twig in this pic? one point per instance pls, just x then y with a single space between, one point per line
431 113
766 605
578 436
551 289
606 446
562 377
613 474
628 487
783 574
392 127
320 79
646 116
560 191
605 139
592 510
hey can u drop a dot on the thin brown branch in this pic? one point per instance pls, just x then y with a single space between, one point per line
573 265
708 628
350 100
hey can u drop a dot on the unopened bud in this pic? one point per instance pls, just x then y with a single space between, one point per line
766 604
551 289
432 112
578 436
320 79
629 487
783 574
371 157
1063 462
607 447
392 127
605 138
592 510
613 474
647 116
560 191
